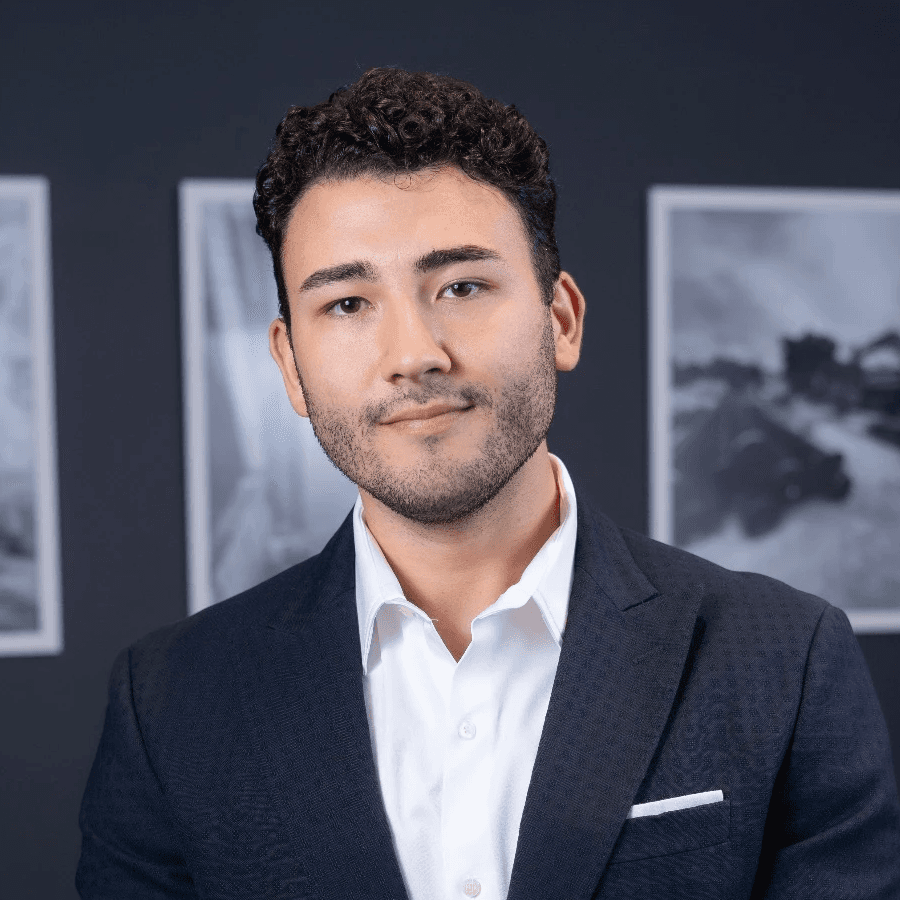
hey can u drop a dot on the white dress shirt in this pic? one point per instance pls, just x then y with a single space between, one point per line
455 743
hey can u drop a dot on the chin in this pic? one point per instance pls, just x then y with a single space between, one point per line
421 502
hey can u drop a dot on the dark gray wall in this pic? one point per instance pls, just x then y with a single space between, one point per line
116 105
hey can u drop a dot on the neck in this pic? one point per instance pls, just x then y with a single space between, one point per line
454 572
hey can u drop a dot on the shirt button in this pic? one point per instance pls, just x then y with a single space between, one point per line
467 731
472 887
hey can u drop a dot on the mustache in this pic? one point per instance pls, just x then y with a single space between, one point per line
469 395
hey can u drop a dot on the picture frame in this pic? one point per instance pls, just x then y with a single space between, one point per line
31 622
774 352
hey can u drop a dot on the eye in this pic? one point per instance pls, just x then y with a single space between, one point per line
462 289
347 306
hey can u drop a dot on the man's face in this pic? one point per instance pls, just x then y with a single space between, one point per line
427 356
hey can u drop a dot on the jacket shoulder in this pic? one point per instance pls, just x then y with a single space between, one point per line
747 598
208 639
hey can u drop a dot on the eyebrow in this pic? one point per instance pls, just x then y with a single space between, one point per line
362 270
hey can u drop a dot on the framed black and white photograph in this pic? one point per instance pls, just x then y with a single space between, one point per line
30 599
261 494
775 387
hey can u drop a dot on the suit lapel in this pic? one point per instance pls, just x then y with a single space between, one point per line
301 681
622 657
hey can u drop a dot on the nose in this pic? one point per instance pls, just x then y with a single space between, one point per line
411 342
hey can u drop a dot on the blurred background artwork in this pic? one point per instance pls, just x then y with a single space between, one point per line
30 614
775 381
261 494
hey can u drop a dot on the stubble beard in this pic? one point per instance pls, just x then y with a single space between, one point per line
439 491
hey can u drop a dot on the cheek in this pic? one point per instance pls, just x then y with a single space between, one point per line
334 373
338 387
517 347
502 337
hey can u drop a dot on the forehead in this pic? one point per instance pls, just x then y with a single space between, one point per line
399 218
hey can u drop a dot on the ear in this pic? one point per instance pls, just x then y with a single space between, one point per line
567 313
283 354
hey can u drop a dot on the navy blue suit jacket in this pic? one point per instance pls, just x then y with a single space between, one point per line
235 760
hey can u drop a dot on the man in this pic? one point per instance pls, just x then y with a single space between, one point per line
481 687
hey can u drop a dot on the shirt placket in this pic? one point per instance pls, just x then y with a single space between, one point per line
470 729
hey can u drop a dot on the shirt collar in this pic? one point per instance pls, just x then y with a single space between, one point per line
547 578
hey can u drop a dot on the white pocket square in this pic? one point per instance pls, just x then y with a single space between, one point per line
655 807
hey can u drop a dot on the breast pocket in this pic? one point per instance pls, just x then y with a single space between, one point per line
673 832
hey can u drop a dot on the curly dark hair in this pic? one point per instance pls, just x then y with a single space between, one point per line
392 122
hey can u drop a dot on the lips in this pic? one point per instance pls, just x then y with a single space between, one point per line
419 413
